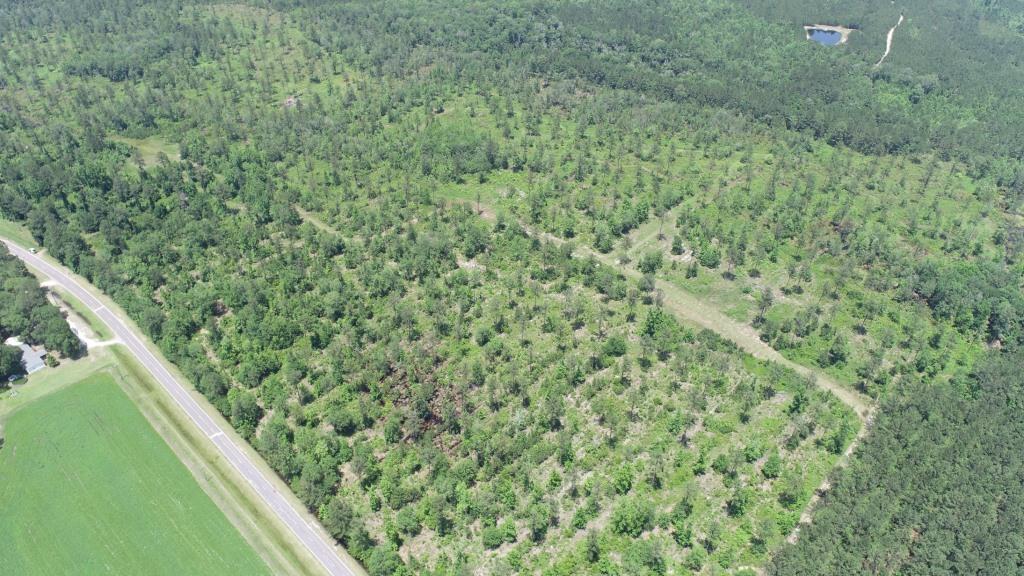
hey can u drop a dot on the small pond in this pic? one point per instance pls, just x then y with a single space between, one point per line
826 37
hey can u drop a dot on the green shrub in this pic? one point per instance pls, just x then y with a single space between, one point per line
632 516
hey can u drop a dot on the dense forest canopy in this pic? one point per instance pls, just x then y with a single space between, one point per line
936 488
419 253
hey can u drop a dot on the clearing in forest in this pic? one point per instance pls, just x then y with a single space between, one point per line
151 148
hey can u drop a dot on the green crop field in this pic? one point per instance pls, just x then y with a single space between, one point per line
90 488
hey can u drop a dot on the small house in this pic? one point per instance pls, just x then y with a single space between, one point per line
32 357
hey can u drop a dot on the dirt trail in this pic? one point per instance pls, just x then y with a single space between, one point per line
691 309
641 238
888 41
688 307
826 483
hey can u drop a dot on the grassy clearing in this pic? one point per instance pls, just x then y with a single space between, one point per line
92 488
150 148
17 232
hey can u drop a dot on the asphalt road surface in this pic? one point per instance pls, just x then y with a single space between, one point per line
308 534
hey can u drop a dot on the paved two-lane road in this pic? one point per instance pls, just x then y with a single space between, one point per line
308 534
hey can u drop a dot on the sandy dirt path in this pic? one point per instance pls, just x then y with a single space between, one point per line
693 310
888 42
689 308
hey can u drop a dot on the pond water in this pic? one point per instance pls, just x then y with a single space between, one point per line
826 37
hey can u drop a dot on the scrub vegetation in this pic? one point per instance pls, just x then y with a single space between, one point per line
422 255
